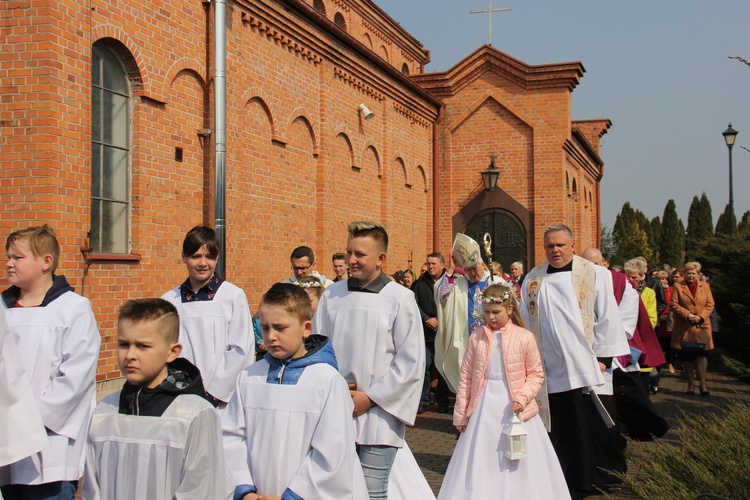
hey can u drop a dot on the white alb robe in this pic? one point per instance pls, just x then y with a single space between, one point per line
279 436
379 346
216 336
22 431
58 346
177 455
569 360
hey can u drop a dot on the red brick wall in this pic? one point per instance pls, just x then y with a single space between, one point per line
301 162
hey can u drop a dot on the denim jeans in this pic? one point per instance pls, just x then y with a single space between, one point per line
376 465
59 490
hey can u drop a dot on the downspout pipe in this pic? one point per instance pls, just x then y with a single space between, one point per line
435 180
220 132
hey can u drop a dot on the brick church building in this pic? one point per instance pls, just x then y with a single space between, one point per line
108 133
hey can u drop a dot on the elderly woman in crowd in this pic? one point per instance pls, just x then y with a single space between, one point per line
691 304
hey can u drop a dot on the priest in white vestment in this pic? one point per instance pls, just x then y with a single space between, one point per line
569 304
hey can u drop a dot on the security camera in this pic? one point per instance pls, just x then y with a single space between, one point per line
366 112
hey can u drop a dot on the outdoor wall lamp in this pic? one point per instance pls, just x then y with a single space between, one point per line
490 176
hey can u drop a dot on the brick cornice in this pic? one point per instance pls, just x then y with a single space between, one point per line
487 58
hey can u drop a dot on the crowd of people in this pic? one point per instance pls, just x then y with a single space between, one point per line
310 397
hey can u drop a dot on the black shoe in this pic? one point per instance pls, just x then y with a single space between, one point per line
654 389
422 409
705 394
443 409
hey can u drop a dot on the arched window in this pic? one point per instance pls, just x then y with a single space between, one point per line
319 6
405 69
110 153
339 21
575 191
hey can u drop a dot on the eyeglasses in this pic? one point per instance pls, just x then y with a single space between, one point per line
302 268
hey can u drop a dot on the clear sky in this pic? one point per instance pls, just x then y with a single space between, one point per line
659 69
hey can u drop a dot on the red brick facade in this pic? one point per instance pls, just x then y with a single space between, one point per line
301 160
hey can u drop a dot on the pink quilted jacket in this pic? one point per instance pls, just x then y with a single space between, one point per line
523 370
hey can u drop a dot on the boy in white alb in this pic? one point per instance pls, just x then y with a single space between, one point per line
288 428
158 438
216 332
58 344
376 330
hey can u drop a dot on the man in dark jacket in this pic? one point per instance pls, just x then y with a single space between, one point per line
423 292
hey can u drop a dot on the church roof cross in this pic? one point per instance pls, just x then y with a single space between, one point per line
490 11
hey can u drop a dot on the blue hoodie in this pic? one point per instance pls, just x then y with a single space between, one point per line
319 350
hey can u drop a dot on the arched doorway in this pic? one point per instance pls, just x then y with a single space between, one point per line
507 234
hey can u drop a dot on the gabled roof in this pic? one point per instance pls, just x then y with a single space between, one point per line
487 58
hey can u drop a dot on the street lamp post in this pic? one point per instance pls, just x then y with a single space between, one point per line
729 135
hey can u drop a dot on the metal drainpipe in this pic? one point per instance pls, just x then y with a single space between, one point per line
220 148
435 180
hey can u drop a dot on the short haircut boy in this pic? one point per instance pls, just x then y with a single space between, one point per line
156 428
58 343
338 256
291 298
41 240
387 379
147 310
374 230
309 452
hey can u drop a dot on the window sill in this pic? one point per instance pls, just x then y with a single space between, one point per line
115 257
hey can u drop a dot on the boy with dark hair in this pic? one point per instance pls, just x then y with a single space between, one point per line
375 327
288 430
159 422
215 325
57 338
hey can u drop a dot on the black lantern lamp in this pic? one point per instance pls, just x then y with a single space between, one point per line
491 176
729 135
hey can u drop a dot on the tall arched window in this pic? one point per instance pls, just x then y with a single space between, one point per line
110 153
319 6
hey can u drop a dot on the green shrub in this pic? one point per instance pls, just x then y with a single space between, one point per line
735 368
713 457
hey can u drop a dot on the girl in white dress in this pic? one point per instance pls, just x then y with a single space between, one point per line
501 374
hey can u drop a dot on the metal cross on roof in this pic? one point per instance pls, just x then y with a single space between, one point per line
489 11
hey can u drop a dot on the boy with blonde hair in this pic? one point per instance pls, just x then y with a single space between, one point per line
288 428
160 422
376 330
57 338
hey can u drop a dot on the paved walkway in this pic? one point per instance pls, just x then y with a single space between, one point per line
433 437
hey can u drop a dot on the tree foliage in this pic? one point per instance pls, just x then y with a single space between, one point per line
724 224
629 237
672 244
608 245
726 259
743 228
656 234
700 224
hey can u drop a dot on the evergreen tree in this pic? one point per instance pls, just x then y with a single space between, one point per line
629 238
743 228
645 224
608 246
723 225
672 242
692 239
656 234
707 218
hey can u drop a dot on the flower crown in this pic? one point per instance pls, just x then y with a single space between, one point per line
311 284
495 300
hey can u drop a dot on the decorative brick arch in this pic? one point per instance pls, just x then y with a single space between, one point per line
370 143
183 64
497 97
258 94
399 160
300 112
343 132
425 177
137 69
